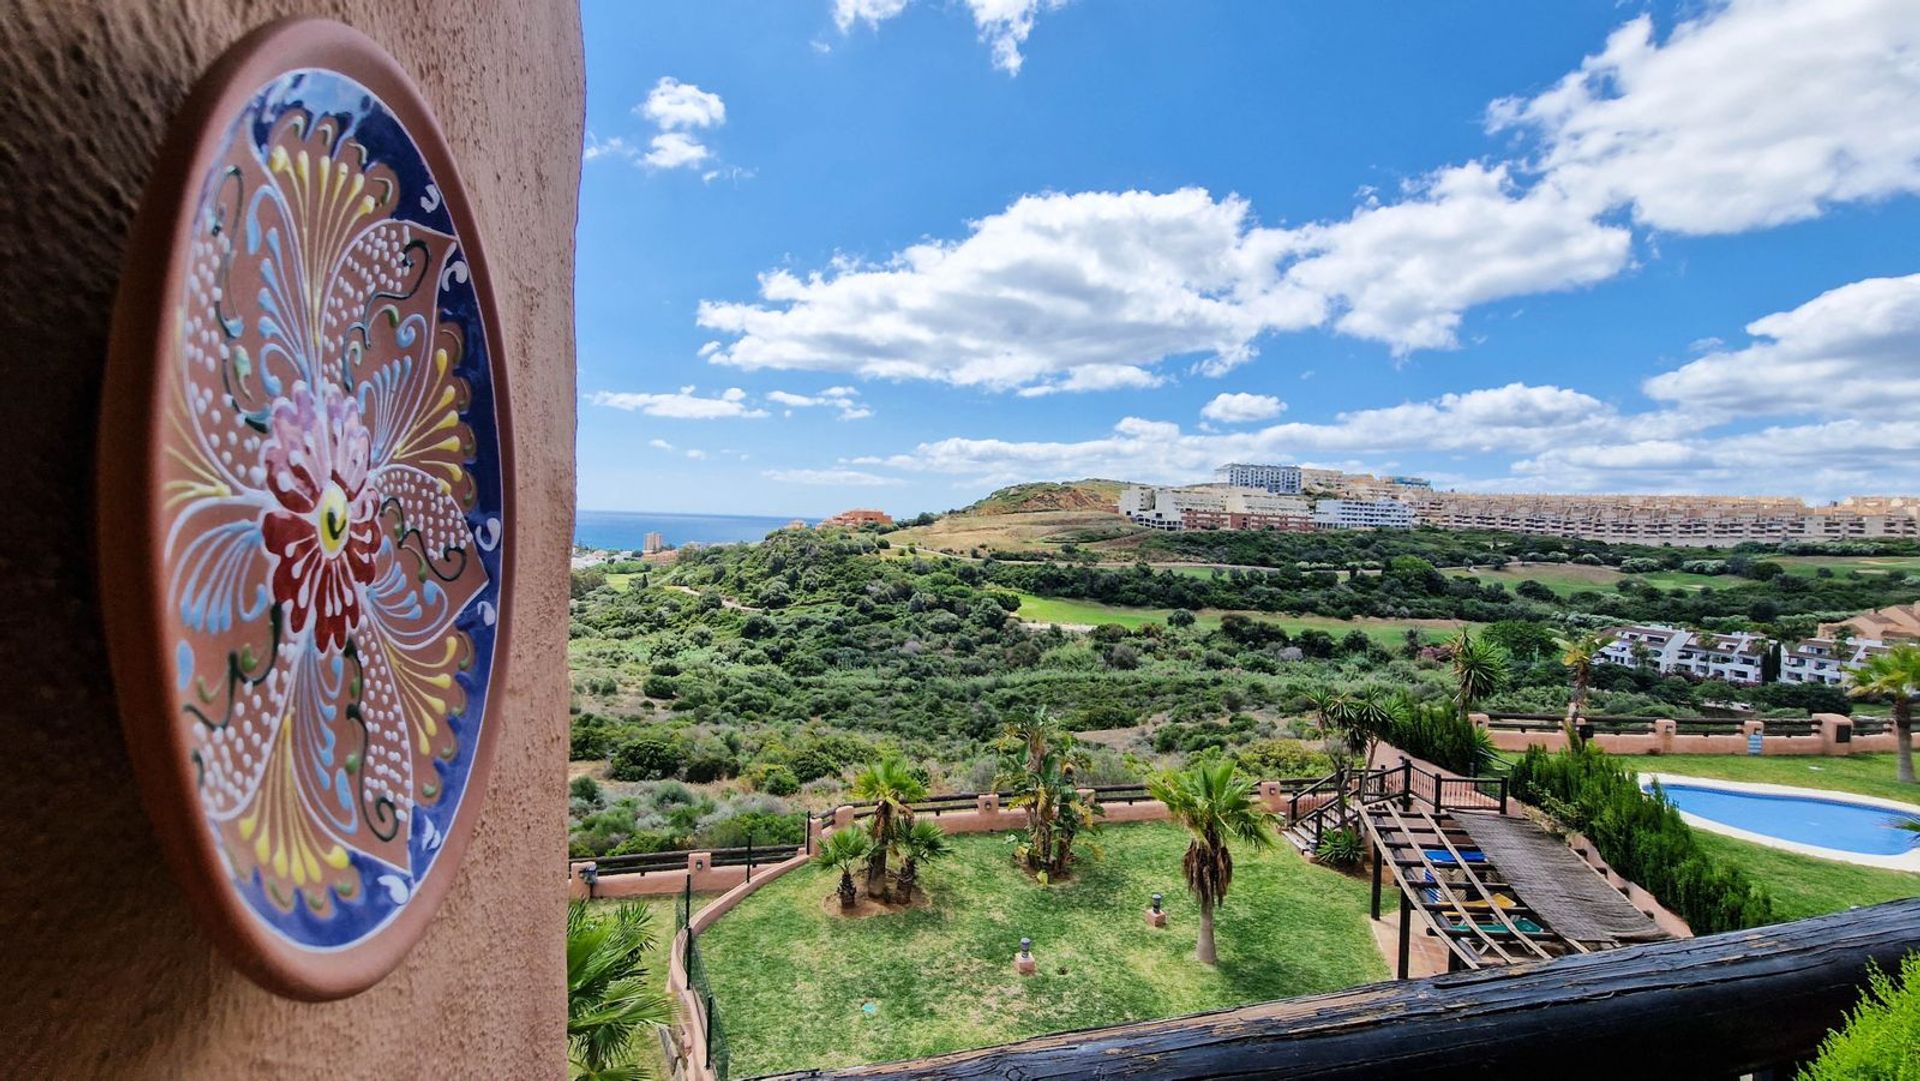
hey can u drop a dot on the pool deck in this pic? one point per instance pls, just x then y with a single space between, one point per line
1908 861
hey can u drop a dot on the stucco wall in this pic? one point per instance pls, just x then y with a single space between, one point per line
102 971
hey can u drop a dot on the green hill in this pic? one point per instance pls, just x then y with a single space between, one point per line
1078 495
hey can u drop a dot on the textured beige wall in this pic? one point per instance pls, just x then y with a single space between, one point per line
102 971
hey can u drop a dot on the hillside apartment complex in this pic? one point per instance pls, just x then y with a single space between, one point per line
1741 657
1678 520
1226 506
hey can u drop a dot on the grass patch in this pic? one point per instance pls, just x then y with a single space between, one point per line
791 979
1390 633
1805 886
1862 774
1565 579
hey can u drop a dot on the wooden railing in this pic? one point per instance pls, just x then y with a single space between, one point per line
1715 1007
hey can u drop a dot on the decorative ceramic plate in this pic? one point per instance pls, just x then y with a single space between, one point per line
304 508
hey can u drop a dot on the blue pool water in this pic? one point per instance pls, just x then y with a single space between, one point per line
1806 820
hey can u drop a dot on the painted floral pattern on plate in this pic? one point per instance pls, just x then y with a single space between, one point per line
331 490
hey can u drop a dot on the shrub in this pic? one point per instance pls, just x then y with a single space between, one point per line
1642 836
1271 759
1436 733
774 779
1340 848
658 686
710 762
585 788
591 737
649 755
1881 1040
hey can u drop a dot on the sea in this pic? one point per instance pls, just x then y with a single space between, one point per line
629 529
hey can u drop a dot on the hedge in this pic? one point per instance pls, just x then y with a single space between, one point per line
1641 836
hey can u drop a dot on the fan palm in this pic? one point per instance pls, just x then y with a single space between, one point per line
893 788
1577 654
843 850
1479 669
925 842
610 996
1216 808
1894 675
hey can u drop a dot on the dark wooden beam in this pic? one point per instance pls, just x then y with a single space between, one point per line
1709 1007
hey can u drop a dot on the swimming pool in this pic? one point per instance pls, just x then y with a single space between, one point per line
1859 830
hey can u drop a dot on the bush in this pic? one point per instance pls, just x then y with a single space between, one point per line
1881 1040
1272 759
1642 836
774 779
585 788
1436 733
658 686
1341 848
591 737
710 762
649 755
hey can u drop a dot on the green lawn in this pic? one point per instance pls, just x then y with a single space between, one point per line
1803 886
1388 632
792 978
1865 774
1565 579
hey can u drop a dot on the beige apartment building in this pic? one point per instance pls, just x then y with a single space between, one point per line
1680 520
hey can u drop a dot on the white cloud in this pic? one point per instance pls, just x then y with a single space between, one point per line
1053 284
1402 273
844 399
1241 408
871 12
1516 418
675 150
847 478
1003 25
659 444
616 147
1853 351
677 106
1751 114
1094 290
683 404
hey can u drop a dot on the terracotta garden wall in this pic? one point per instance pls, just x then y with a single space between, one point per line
1835 737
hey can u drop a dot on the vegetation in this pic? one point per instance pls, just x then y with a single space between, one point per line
892 789
1039 770
940 977
611 998
1881 1040
1895 676
1641 836
1216 808
843 850
1864 774
1803 886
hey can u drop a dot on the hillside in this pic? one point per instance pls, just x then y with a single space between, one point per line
1079 495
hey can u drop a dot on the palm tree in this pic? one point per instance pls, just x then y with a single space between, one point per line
923 843
892 787
610 996
1365 719
843 850
1894 675
1039 766
1577 654
1216 808
1479 669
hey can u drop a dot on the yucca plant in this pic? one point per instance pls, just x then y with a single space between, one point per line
1577 655
843 850
1216 808
611 997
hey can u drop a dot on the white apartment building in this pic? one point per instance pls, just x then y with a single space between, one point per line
1823 660
1681 520
1214 506
1656 646
1735 658
1279 479
1362 514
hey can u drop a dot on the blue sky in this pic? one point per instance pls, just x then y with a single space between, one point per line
906 251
